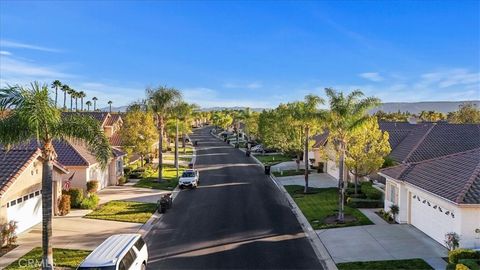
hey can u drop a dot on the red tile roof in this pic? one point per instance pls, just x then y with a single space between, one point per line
115 139
112 119
320 139
455 177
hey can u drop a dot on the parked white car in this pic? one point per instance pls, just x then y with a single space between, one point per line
189 178
118 252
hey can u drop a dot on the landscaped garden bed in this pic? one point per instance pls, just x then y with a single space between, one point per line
413 264
320 207
64 258
5 250
125 211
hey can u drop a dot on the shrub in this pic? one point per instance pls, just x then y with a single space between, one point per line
92 186
64 205
371 192
394 209
364 203
127 170
122 180
357 196
452 240
76 196
472 264
90 202
461 267
8 234
461 253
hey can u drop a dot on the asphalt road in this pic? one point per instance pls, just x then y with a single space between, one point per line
235 219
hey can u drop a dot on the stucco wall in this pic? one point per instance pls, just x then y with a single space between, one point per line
79 180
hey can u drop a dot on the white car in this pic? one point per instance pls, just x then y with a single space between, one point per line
118 252
189 178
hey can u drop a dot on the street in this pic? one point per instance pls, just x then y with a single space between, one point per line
235 219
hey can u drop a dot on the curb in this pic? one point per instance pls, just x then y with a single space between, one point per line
147 227
318 247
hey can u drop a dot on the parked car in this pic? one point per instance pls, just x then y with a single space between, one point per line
118 252
189 178
257 148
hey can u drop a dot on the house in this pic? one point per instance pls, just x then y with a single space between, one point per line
21 185
438 195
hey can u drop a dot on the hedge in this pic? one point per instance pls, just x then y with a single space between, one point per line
371 192
461 253
92 186
364 203
90 202
76 196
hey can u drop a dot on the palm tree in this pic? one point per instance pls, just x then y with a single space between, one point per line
161 101
76 95
94 103
71 92
88 103
56 84
110 104
346 114
34 117
81 95
65 88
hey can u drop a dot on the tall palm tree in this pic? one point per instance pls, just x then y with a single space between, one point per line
76 95
88 103
346 114
65 88
161 101
81 95
94 103
110 105
56 84
71 92
34 117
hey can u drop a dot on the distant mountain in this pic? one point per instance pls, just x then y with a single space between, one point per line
230 108
115 109
417 107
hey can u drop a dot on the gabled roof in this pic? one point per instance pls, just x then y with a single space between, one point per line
115 139
117 152
100 116
112 119
15 160
320 139
455 177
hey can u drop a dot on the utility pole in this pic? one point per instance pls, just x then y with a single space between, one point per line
176 145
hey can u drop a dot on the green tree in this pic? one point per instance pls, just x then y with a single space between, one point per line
468 113
56 85
138 132
347 113
81 95
161 101
71 92
367 147
65 89
94 103
431 116
35 117
88 103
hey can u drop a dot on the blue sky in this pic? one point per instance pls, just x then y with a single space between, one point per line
255 54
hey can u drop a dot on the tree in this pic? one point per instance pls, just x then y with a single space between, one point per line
222 119
110 105
56 85
431 116
88 103
81 95
161 101
138 132
65 88
76 96
71 92
347 113
468 113
34 117
367 147
94 103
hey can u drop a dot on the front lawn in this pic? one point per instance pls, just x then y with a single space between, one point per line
65 258
126 211
170 180
321 203
272 159
413 264
289 173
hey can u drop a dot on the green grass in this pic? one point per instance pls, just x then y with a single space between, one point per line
170 180
321 203
413 264
272 159
70 258
289 173
179 158
126 211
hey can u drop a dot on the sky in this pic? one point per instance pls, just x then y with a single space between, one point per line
252 53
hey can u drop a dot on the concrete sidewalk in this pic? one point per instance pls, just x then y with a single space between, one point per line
75 232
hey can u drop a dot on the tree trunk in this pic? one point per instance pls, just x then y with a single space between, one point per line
65 99
356 181
141 160
81 103
76 104
160 148
298 162
47 180
56 94
176 146
184 143
307 130
71 103
341 184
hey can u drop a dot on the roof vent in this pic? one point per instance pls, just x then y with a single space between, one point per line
412 120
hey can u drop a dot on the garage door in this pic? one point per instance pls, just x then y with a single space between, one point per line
430 218
26 211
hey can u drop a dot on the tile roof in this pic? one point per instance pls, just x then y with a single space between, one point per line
117 152
115 139
100 116
455 177
68 155
320 139
397 131
112 119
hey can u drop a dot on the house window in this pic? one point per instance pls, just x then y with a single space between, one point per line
19 200
37 193
25 197
393 194
12 203
31 195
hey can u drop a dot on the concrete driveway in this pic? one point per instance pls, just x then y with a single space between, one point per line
382 242
315 180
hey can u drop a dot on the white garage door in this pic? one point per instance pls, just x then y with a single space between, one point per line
26 211
430 218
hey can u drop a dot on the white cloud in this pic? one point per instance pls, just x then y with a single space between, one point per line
251 85
13 44
6 53
372 76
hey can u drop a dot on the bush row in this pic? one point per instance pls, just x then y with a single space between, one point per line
78 200
364 203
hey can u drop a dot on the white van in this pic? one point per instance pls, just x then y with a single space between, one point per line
118 252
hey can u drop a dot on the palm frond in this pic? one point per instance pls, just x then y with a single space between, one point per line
14 131
10 97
